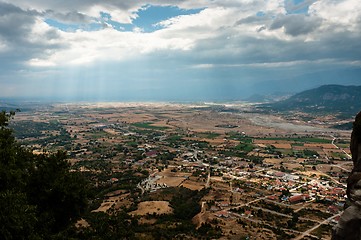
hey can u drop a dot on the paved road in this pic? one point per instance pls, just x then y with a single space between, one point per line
264 223
339 166
315 227
282 214
333 143
246 204
302 185
208 179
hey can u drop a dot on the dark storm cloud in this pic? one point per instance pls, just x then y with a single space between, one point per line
20 43
15 23
250 19
296 25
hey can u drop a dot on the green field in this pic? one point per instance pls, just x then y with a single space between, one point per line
302 140
209 135
148 125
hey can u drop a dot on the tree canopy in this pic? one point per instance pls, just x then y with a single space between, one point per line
39 196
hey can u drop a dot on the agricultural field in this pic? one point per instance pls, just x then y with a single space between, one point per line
227 174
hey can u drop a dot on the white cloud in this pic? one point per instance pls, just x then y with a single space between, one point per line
344 14
181 33
224 27
42 33
117 14
210 19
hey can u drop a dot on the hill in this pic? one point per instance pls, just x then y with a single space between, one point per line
337 99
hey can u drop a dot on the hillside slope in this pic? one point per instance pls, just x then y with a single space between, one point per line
325 99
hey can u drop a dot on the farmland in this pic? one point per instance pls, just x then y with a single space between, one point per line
245 173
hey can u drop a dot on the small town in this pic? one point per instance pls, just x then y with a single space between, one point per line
260 176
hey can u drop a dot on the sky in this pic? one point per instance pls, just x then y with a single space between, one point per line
175 50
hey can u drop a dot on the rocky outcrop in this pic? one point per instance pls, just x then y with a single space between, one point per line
349 225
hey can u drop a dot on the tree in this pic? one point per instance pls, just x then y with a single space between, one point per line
292 223
17 217
61 196
39 196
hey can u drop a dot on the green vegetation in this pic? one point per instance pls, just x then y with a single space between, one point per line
132 144
199 144
310 153
39 196
185 202
95 165
174 138
42 133
300 139
337 155
209 135
148 125
344 126
343 145
31 129
98 134
275 207
239 136
165 157
245 147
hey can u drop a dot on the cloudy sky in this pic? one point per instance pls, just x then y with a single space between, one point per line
103 50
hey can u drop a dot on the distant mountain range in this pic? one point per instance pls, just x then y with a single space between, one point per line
338 99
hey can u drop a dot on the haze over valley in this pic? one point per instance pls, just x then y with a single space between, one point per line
164 119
